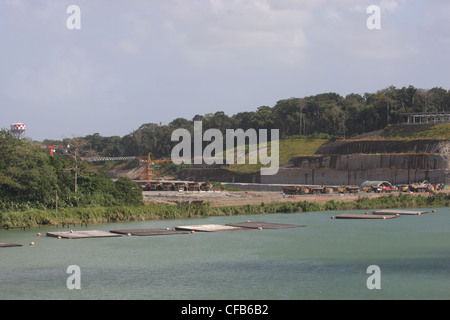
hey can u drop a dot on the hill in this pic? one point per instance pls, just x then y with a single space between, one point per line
288 148
408 132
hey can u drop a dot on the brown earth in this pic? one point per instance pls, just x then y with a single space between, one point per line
235 198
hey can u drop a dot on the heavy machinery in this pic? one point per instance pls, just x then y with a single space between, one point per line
168 186
150 164
206 186
181 186
420 187
416 187
377 186
403 188
295 190
154 185
373 188
319 189
194 186
379 189
348 189
388 189
300 189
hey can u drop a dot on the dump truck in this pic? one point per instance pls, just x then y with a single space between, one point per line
167 186
319 189
181 186
348 189
194 186
154 186
295 190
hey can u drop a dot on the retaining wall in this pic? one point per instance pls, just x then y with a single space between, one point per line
354 177
369 161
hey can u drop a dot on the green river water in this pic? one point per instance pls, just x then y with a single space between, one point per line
326 259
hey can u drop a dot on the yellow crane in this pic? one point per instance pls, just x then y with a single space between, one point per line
150 162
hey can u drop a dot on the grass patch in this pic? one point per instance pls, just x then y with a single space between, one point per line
288 148
73 216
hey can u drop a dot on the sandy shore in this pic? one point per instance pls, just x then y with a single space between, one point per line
233 198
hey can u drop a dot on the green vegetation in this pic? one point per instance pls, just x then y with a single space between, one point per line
72 216
322 116
37 189
421 131
31 179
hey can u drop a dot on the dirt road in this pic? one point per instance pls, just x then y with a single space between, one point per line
234 198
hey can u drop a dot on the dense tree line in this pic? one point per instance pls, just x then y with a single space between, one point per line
321 115
30 178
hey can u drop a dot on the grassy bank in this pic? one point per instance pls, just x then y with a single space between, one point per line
288 148
74 216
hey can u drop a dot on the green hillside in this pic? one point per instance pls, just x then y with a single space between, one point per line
422 131
288 148
291 147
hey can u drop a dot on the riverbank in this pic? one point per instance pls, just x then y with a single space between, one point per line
85 216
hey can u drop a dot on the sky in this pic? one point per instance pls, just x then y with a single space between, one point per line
148 61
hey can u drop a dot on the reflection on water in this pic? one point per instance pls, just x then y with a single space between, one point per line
327 259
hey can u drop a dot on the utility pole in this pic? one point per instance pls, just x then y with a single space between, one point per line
75 149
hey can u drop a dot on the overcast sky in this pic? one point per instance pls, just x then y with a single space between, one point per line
141 61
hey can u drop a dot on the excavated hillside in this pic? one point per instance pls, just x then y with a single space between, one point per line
398 153
351 162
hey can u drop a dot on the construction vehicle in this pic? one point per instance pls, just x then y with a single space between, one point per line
403 188
206 186
379 189
181 186
373 188
168 186
199 186
194 186
295 190
388 189
319 189
420 187
153 186
348 189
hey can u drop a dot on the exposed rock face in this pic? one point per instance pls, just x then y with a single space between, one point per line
351 162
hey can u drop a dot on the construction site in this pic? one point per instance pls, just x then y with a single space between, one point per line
339 170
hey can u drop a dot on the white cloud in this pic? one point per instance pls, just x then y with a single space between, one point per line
391 5
219 30
146 56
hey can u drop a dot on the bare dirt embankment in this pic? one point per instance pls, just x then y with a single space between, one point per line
236 198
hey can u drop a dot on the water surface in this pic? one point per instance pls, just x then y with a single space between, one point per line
326 259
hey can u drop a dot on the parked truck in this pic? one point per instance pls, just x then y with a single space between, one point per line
295 190
300 189
319 189
348 189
